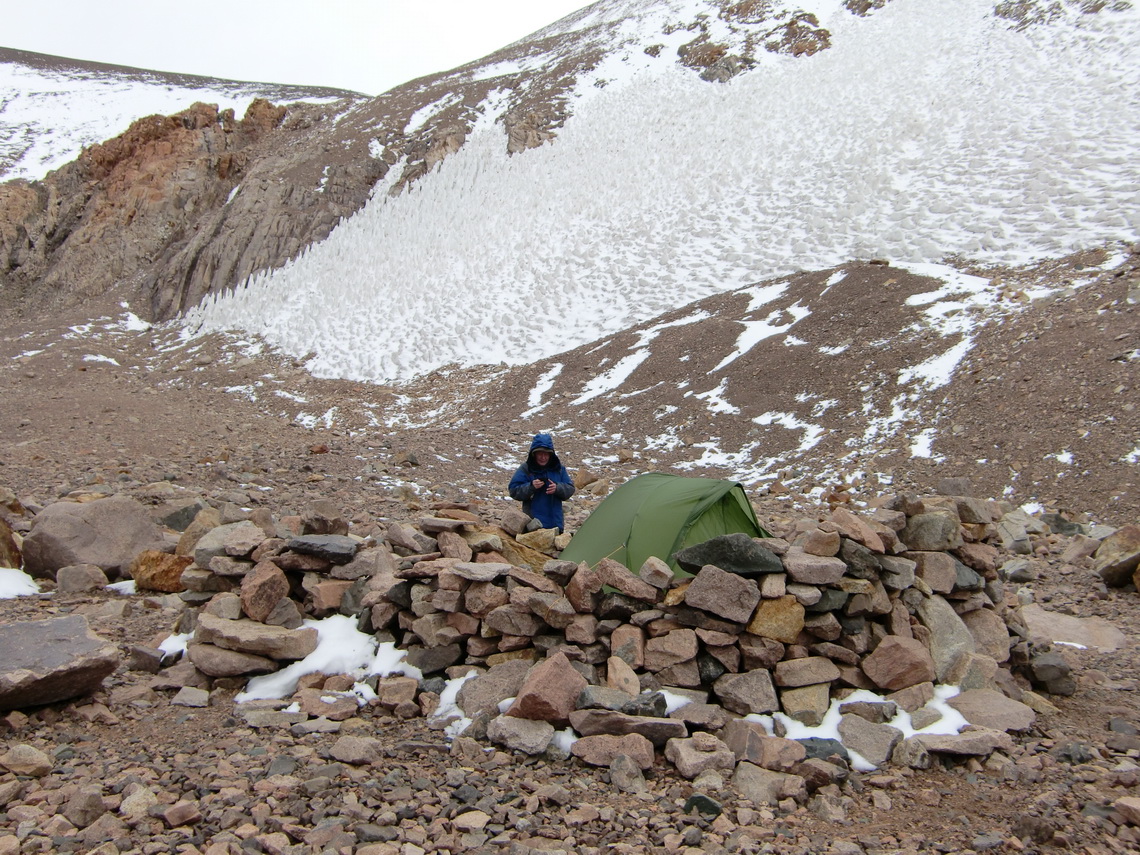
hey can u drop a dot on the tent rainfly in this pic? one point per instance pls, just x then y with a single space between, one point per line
658 515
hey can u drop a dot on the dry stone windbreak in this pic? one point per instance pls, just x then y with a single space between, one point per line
893 600
834 605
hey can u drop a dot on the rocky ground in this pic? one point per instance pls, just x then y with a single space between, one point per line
139 409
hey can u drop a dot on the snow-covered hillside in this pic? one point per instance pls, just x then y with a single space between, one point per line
51 108
929 130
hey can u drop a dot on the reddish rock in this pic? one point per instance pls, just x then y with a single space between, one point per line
699 753
898 663
261 589
627 642
600 750
482 598
806 671
182 813
326 595
750 692
857 529
813 569
550 692
670 649
619 675
332 705
723 594
583 588
1116 560
936 569
749 741
9 551
618 576
215 661
452 545
979 556
582 629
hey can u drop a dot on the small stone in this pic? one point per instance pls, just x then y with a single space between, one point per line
626 774
27 760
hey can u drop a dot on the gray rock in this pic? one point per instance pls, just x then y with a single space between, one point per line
108 533
949 636
861 562
179 514
45 661
188 696
485 692
734 553
1014 536
1018 570
897 572
84 807
932 532
600 697
529 736
251 637
987 708
874 742
79 579
766 787
334 548
236 540
1052 673
626 774
656 730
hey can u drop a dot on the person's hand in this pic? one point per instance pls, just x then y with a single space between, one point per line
537 483
550 489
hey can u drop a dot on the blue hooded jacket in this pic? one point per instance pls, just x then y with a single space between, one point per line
544 507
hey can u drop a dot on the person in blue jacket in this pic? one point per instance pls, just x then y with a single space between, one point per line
542 484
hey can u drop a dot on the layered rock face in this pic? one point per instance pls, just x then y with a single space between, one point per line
140 210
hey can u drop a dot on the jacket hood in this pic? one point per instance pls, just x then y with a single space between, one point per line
543 442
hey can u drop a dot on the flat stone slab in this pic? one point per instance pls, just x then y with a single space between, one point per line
987 708
1092 632
45 661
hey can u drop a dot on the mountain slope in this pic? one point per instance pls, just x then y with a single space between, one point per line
924 131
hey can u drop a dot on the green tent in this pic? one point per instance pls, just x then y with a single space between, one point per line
659 514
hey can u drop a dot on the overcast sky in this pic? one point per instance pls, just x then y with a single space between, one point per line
366 45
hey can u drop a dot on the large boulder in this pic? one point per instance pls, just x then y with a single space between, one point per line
108 533
1118 557
45 661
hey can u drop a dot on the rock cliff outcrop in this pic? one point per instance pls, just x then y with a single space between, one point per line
126 209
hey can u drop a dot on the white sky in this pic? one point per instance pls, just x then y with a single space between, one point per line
365 45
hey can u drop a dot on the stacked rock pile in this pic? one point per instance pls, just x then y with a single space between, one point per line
895 600
638 662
